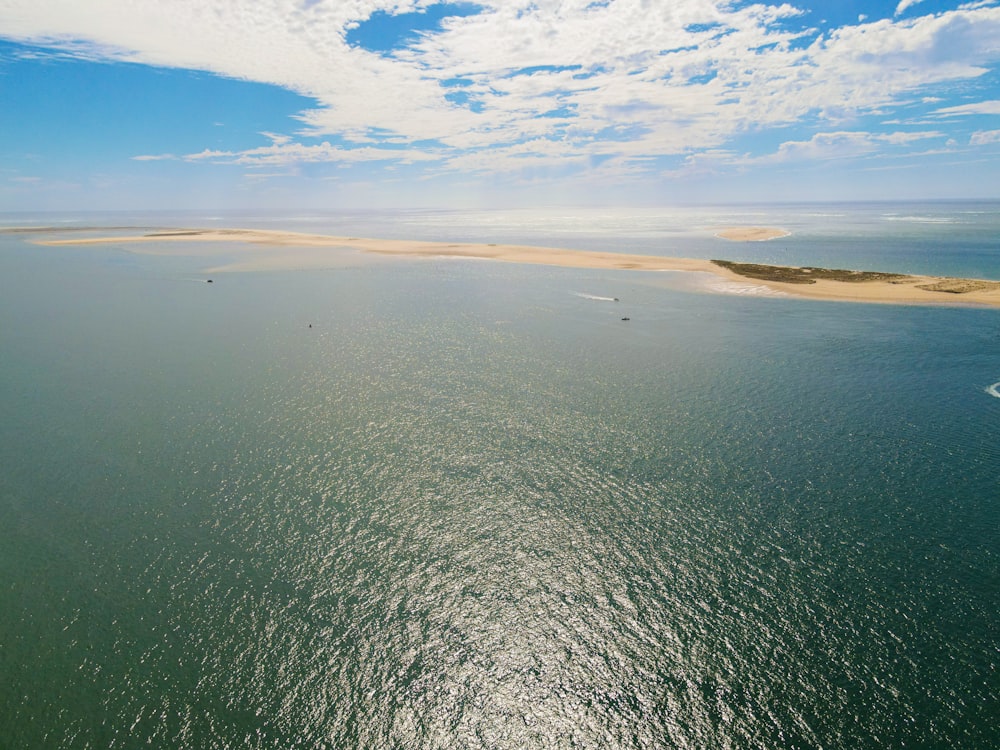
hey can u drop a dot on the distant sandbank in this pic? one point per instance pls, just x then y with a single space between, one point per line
751 234
276 250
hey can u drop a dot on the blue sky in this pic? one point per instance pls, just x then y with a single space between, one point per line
373 103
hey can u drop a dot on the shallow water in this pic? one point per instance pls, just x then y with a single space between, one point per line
472 507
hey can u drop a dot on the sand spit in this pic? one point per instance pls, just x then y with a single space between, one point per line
319 247
276 250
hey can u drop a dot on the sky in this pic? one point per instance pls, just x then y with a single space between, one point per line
287 104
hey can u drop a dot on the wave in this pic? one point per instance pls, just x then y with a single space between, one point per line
595 297
920 219
993 390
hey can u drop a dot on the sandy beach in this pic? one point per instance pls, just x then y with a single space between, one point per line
275 250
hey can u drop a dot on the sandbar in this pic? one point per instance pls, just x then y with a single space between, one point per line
278 250
751 234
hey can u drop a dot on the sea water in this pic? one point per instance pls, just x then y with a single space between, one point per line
442 503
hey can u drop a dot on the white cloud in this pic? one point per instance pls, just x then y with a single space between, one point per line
984 137
823 146
905 4
278 139
979 108
627 80
283 152
154 157
840 145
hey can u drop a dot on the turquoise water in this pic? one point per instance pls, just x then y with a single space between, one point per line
471 507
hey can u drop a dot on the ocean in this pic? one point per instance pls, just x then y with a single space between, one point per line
444 503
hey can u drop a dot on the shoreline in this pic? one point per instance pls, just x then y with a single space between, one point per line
279 250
